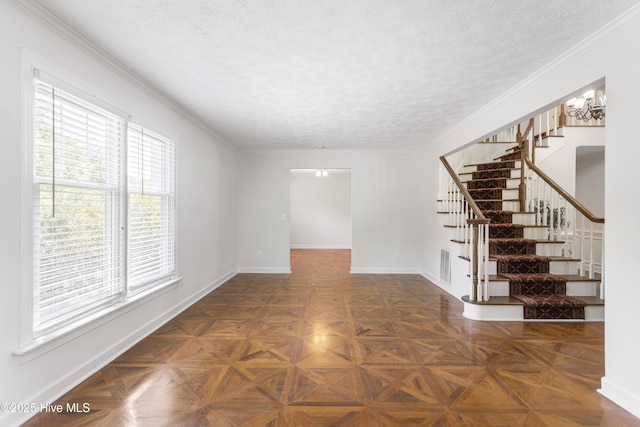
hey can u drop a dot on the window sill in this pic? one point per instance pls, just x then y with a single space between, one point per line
48 342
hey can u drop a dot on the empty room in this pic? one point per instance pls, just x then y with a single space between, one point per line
304 213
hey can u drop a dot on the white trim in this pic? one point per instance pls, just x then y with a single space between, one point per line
620 396
25 283
68 382
439 283
30 348
385 270
265 270
320 246
46 343
497 313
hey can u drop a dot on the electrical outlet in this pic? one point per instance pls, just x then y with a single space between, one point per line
259 254
397 255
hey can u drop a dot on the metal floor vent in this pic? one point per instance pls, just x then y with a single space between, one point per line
445 266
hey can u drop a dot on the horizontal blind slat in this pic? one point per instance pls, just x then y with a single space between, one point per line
77 256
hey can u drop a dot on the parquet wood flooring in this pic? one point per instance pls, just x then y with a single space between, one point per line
322 347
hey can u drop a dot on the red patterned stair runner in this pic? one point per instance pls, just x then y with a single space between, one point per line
542 294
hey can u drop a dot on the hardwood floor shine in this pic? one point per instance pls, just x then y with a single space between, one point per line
322 347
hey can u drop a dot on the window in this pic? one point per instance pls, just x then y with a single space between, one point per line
151 208
104 209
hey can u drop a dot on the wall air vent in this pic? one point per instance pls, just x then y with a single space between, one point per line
445 266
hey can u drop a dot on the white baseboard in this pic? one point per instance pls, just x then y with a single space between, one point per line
265 270
384 270
620 397
70 380
320 246
444 286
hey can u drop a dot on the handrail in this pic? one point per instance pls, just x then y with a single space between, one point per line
558 215
472 204
478 237
529 126
576 204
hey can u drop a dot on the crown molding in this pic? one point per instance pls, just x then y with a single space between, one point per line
52 23
604 33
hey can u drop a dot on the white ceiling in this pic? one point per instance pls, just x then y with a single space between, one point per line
336 73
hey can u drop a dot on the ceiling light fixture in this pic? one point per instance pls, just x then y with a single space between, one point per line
590 105
322 172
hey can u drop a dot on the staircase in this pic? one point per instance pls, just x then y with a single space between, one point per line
530 275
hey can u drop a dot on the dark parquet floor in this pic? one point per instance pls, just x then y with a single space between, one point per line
322 347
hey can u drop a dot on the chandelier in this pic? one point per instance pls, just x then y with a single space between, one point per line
589 106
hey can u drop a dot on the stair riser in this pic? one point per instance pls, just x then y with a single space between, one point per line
577 289
561 267
516 165
511 183
513 173
574 289
548 249
514 313
510 205
537 233
522 218
511 194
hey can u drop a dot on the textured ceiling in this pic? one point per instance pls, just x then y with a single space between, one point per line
337 73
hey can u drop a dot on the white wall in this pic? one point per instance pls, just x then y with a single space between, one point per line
320 209
590 178
385 207
207 217
613 54
559 160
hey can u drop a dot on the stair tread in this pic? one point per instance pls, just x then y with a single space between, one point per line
520 239
551 258
490 179
513 212
569 277
543 293
508 239
533 276
496 169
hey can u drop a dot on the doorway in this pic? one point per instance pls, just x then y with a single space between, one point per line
320 209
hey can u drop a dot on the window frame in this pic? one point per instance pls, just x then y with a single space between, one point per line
32 344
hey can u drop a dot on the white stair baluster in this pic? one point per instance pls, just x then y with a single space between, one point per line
591 239
602 267
582 246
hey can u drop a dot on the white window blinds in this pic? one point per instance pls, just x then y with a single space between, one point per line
77 170
104 209
151 213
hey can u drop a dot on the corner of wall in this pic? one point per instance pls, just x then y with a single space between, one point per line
620 397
